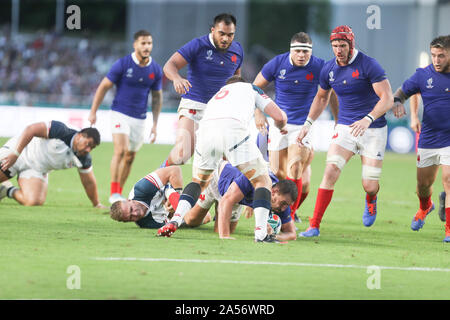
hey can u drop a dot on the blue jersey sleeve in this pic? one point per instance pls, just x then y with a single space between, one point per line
189 50
411 85
116 71
375 72
144 191
59 130
323 79
269 69
157 85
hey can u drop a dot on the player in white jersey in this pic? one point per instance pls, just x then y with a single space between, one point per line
152 200
41 148
224 132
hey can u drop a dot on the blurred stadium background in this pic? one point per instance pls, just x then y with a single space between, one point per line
48 71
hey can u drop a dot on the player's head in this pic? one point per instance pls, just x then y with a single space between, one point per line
235 79
440 53
284 193
143 44
85 141
342 41
223 31
127 211
300 49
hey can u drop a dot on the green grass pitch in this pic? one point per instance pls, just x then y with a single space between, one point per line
39 244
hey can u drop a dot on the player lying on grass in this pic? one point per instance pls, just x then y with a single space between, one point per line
41 148
152 200
233 190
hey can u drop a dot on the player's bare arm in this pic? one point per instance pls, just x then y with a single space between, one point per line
171 68
415 125
90 186
33 130
384 92
279 116
157 98
319 103
260 118
288 232
100 93
399 99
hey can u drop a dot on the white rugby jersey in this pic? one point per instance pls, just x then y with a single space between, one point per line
56 152
236 101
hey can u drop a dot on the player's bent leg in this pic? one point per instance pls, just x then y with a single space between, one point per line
297 160
371 173
125 167
425 179
446 183
32 191
184 142
278 163
195 217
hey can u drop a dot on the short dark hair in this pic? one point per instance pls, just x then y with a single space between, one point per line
287 187
141 33
235 78
116 211
226 18
91 133
441 42
301 37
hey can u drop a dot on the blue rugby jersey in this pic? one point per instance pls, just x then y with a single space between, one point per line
209 69
353 86
295 87
434 88
231 174
134 83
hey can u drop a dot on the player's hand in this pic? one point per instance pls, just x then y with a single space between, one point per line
248 212
302 134
168 207
181 85
399 110
100 206
92 118
359 127
415 125
8 161
153 135
269 229
284 130
261 123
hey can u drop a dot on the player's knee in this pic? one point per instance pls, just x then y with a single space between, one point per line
336 160
31 202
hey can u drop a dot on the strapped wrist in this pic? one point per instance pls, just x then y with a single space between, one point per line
368 116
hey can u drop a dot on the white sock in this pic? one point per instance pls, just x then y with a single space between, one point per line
261 217
183 207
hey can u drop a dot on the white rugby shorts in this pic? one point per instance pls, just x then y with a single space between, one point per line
191 109
371 145
132 127
278 142
431 157
224 138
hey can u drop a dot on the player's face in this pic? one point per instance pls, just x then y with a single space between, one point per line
82 145
300 57
223 35
132 211
441 59
341 50
143 46
280 202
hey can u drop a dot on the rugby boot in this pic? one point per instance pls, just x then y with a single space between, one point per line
419 219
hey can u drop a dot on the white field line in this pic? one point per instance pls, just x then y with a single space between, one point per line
295 264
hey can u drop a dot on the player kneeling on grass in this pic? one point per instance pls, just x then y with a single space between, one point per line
233 191
224 132
152 200
41 148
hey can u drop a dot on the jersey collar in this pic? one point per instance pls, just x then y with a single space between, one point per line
135 59
211 40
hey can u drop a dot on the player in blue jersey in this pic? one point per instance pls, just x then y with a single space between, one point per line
232 190
212 59
296 77
41 148
433 84
364 96
152 200
134 76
